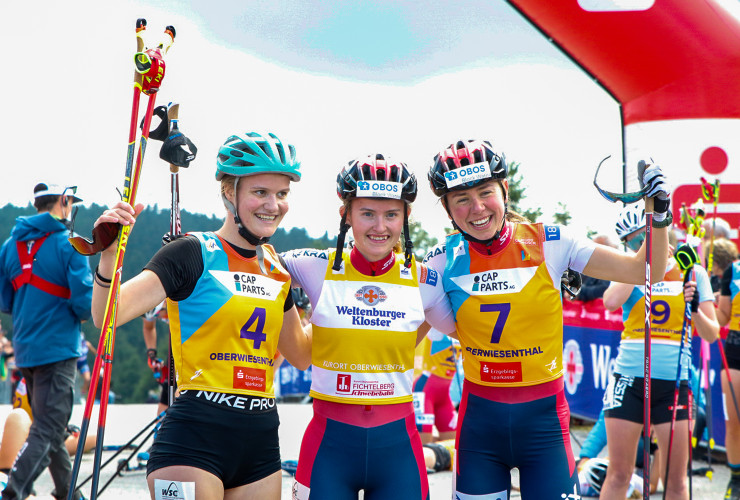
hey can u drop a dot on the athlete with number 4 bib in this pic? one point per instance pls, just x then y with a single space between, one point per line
623 398
230 308
503 279
368 304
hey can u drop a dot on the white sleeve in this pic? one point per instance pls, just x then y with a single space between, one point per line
563 251
436 258
437 307
703 284
307 267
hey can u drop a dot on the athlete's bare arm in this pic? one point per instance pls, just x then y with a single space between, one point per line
295 340
607 263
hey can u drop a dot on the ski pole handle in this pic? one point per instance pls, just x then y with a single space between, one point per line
172 113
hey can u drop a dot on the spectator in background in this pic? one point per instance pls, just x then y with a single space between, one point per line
6 355
717 226
82 366
47 287
728 314
159 367
431 389
594 288
724 253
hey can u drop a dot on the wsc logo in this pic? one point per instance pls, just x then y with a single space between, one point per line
370 295
172 491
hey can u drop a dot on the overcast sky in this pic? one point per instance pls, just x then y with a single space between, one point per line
337 79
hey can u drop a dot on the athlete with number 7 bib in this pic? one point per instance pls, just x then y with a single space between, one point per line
230 310
502 275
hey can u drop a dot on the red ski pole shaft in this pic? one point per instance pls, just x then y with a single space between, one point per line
140 27
729 378
129 196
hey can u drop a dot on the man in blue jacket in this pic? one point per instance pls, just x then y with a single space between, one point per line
47 288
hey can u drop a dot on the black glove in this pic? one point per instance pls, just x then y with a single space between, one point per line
178 149
695 301
571 282
169 238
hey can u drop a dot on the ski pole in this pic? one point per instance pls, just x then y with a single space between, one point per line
689 466
648 309
627 198
175 231
140 27
126 461
150 86
107 337
705 358
121 449
686 326
710 192
178 151
729 379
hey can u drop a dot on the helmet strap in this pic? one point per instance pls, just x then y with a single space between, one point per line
409 250
245 233
343 228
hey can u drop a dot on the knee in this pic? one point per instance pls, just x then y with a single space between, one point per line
619 475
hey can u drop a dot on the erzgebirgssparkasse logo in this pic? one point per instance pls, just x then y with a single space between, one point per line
370 295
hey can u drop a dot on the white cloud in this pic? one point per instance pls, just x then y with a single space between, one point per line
66 109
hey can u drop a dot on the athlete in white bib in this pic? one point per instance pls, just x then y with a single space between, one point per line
368 303
503 279
230 309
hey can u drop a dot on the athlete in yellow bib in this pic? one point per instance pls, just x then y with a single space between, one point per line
728 314
368 303
502 275
434 407
623 398
230 309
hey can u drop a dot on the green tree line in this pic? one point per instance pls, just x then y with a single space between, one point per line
131 378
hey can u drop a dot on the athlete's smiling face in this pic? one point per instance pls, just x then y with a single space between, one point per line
376 226
263 202
479 211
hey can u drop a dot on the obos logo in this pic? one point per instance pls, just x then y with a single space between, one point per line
573 366
379 189
370 295
467 173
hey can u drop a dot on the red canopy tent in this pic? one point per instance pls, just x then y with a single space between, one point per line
677 59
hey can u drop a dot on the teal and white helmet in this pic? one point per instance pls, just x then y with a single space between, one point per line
253 153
